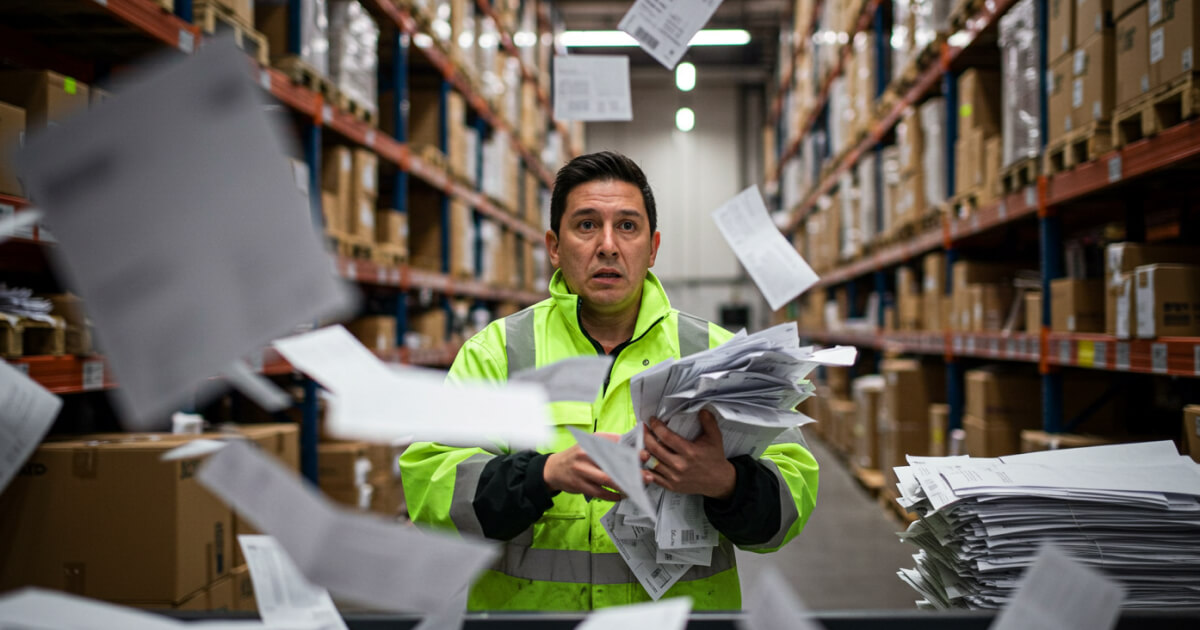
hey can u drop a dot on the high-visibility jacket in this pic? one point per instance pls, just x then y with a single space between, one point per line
566 560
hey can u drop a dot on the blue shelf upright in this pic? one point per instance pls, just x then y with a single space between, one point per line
398 79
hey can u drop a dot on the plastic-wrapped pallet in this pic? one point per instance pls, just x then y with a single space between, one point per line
271 18
902 36
839 111
1019 54
933 160
867 225
354 52
931 17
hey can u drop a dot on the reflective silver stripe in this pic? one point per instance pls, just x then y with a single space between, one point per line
787 509
792 436
585 567
519 341
693 334
466 480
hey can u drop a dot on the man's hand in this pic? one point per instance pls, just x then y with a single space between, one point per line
573 471
697 467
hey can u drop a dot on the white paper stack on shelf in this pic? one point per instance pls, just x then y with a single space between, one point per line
751 384
1131 511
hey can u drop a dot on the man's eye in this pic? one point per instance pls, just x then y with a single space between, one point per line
627 225
587 225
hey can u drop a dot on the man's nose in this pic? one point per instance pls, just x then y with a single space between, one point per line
608 241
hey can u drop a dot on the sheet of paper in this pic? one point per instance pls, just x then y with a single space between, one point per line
1137 453
358 557
772 604
776 267
647 387
671 614
592 87
1058 593
374 403
18 222
451 617
621 463
257 387
27 411
641 555
226 256
284 597
40 608
195 448
682 523
665 28
700 556
577 379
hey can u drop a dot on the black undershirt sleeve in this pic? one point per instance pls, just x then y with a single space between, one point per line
511 494
752 513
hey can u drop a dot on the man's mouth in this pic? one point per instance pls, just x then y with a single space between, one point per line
606 274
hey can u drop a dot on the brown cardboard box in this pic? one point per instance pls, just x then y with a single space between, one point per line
243 590
361 219
1004 395
387 496
1033 312
1093 84
934 268
911 141
1058 105
391 228
425 228
1091 17
241 9
1122 7
1035 440
109 520
1133 56
1076 305
333 213
365 179
342 464
1123 298
337 174
845 416
931 312
12 136
868 395
281 439
993 150
939 423
431 325
979 101
48 97
911 386
990 438
990 304
377 332
1120 261
216 597
966 272
1168 301
838 380
1173 40
1191 430
1061 36
462 243
385 459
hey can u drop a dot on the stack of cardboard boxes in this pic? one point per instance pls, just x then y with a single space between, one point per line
349 188
31 100
979 147
1082 79
982 296
910 387
1151 290
1155 44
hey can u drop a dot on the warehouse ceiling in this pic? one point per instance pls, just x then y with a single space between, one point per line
750 63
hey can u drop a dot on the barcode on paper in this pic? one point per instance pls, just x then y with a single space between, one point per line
688 536
660 577
641 35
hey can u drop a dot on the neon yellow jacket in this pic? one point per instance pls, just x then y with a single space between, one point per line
566 560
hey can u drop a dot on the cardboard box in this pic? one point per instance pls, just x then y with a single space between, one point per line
910 387
243 590
462 240
990 438
1122 7
387 497
1058 105
990 304
342 464
1093 84
12 136
281 439
337 174
1123 298
1121 258
377 332
47 97
430 326
365 179
1174 39
1191 430
1012 396
1076 305
979 101
1133 56
391 228
107 519
838 380
361 219
934 270
1033 312
931 312
939 423
845 417
332 213
993 151
868 395
1168 301
911 142
1035 440
1091 17
425 227
1061 35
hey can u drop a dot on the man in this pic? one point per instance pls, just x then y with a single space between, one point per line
546 505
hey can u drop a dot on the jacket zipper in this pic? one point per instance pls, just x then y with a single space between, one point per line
600 349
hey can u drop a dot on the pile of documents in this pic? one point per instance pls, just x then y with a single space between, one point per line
1131 511
22 302
751 384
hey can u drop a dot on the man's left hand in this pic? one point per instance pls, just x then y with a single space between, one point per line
697 467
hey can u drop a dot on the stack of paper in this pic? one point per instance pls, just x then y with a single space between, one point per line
751 384
21 302
1131 511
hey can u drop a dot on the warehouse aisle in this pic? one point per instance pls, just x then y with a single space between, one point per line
847 556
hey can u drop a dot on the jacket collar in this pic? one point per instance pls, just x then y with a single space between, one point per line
654 307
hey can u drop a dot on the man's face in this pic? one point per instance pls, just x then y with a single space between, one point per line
604 245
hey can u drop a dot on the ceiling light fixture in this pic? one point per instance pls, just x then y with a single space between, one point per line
685 77
610 39
685 119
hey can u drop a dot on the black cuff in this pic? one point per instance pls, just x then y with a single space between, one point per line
511 494
751 515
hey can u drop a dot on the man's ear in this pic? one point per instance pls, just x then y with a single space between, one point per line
655 241
552 247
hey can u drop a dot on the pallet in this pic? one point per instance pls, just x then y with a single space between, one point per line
1166 107
305 75
870 479
359 110
218 21
1075 147
965 203
389 255
1019 175
348 246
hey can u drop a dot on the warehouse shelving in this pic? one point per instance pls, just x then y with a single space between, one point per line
799 43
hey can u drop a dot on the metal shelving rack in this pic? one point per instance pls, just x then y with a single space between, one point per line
74 374
1047 200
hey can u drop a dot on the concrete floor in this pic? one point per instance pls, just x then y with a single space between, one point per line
847 556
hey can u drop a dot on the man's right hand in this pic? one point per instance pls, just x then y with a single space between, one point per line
573 471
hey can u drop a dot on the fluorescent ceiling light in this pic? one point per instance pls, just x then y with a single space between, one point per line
685 119
608 39
685 77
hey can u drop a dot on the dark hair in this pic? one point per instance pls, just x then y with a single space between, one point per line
602 166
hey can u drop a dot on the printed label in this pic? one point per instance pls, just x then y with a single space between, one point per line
93 375
1122 362
1156 45
1158 358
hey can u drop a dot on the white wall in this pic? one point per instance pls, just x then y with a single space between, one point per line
691 174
